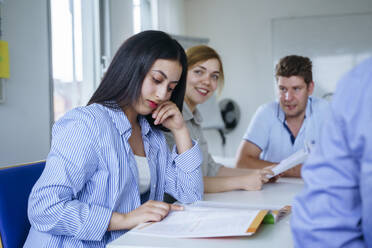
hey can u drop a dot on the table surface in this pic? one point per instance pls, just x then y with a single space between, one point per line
272 195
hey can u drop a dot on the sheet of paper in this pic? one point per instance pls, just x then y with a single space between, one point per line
201 222
297 158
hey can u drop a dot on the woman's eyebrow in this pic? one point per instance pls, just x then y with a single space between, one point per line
201 67
161 72
205 69
165 76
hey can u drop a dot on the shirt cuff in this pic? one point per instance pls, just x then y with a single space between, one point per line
190 159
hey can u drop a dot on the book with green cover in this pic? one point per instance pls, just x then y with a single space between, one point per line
212 219
274 216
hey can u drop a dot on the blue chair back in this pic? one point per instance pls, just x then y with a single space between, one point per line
16 183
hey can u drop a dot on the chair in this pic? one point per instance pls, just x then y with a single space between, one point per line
16 183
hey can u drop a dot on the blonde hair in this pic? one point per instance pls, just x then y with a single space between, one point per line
201 53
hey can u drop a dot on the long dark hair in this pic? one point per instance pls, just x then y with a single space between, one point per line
122 82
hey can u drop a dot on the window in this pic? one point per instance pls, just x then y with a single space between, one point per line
75 52
144 15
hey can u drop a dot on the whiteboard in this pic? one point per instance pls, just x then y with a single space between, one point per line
334 43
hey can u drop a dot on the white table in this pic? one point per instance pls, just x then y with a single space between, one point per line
276 194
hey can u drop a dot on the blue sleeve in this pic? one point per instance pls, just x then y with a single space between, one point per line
54 205
334 208
322 110
184 175
258 131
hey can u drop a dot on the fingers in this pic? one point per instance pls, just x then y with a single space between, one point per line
164 114
264 179
156 210
164 206
252 181
175 207
264 174
164 111
156 111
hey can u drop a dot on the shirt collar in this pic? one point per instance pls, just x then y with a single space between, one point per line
122 123
145 125
309 109
188 115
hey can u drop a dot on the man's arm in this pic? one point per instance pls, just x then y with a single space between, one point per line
248 156
293 172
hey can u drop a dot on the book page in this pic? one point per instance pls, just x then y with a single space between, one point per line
199 221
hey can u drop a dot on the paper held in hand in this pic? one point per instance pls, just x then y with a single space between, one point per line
211 219
297 158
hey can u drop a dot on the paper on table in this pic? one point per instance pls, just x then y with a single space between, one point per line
201 221
297 158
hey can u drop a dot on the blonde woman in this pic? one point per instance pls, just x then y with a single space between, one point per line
205 76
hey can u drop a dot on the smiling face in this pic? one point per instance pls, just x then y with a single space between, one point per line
158 85
202 81
293 95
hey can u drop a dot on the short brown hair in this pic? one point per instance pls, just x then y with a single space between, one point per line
294 65
201 53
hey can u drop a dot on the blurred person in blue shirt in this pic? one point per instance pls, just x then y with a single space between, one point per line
280 128
334 209
109 164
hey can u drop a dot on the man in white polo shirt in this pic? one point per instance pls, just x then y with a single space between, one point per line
280 128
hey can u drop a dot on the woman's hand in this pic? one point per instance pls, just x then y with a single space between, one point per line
255 179
274 178
149 211
169 116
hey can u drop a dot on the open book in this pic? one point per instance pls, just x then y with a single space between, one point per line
211 219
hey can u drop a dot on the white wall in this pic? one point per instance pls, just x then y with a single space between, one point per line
240 31
25 115
171 16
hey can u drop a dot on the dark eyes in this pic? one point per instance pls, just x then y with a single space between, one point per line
285 90
157 81
198 72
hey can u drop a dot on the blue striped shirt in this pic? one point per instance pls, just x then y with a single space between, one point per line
91 172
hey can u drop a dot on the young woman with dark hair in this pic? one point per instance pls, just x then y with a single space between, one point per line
109 165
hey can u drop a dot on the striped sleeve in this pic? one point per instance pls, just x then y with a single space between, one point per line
53 204
185 180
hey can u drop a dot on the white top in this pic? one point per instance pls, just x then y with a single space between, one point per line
143 173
